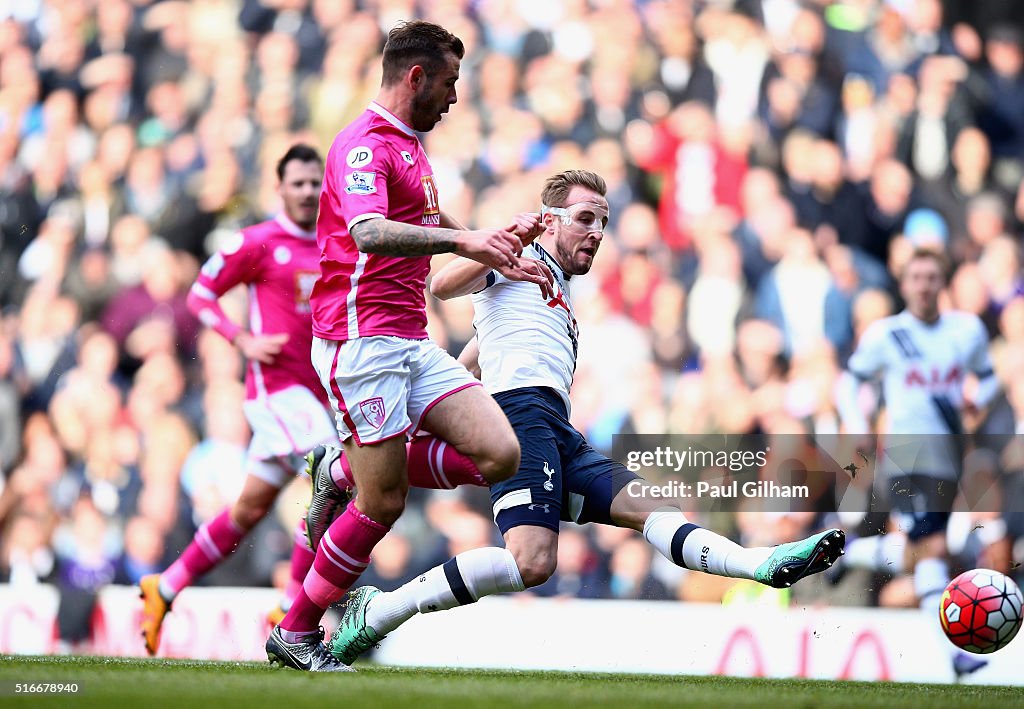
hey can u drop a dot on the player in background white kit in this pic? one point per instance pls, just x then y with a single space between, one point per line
922 357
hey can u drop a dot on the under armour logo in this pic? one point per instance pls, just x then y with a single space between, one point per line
548 485
537 504
423 578
432 607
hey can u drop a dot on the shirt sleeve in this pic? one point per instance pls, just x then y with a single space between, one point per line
237 262
493 278
978 360
358 182
869 358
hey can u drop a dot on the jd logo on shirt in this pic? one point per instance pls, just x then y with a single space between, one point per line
359 156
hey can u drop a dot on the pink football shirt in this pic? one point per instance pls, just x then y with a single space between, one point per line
375 168
278 262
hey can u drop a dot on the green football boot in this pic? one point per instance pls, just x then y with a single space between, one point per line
353 636
790 562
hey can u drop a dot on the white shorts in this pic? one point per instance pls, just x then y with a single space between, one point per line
285 426
382 386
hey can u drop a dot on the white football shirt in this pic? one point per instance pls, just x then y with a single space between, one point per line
922 368
526 340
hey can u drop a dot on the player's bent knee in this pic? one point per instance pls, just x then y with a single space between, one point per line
502 461
536 571
535 566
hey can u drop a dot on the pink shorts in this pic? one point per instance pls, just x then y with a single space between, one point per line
382 386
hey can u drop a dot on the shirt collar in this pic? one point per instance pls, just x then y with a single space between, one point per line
292 228
391 118
550 261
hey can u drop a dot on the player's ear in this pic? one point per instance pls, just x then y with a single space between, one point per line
416 76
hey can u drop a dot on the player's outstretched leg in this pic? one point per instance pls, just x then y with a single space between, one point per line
431 462
693 547
370 614
308 654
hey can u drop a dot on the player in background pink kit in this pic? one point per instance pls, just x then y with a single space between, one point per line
380 221
285 404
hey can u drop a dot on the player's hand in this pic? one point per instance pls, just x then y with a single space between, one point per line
972 416
527 226
530 270
261 348
497 248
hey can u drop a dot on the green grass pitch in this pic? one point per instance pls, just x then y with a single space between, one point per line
110 682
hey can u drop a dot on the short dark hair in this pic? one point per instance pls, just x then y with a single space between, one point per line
557 187
924 253
300 152
417 42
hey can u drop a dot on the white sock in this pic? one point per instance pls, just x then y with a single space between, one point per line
930 579
165 590
882 552
693 547
460 581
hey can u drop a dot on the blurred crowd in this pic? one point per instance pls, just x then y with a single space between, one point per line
770 164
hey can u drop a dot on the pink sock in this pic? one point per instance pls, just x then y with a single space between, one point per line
341 473
435 464
302 559
343 554
212 542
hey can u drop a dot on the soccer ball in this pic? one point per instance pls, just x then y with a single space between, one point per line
981 610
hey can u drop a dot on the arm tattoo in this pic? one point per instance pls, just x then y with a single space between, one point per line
383 236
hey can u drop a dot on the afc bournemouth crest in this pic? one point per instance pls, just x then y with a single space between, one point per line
373 411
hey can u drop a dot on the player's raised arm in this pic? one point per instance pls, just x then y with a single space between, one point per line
222 272
459 277
496 248
462 277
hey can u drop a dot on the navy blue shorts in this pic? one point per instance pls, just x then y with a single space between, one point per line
923 503
560 477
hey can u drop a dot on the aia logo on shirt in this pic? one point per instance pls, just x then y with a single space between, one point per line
373 411
431 205
935 379
304 281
